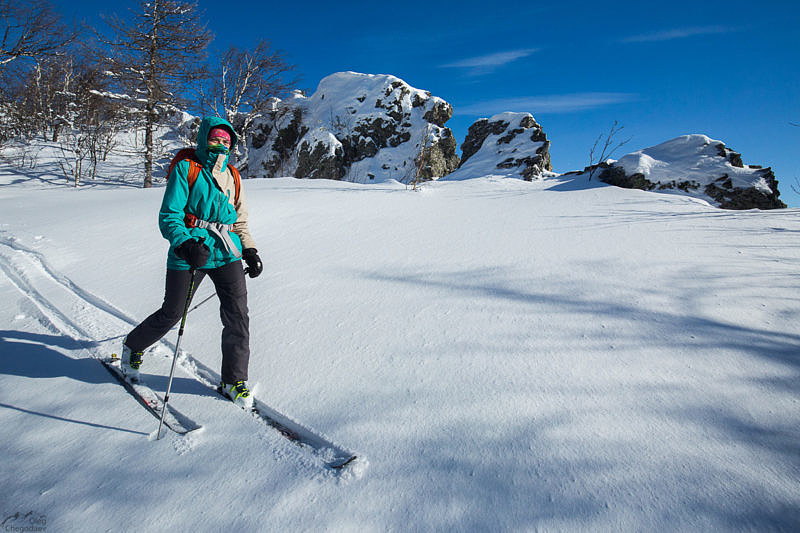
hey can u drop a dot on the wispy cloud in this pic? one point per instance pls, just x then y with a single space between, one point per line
487 63
549 104
678 33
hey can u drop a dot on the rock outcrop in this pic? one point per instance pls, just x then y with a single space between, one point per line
697 166
369 128
356 127
509 145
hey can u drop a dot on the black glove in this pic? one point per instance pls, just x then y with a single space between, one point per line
254 264
194 251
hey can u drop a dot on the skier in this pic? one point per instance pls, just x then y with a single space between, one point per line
205 222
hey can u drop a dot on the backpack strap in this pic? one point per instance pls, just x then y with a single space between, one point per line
237 182
182 155
194 171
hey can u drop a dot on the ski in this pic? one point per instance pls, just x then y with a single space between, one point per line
173 419
334 456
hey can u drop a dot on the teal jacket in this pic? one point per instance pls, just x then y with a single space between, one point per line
211 199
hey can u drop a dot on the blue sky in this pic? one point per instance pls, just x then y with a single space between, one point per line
728 69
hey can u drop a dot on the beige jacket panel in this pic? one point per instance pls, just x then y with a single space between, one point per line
224 178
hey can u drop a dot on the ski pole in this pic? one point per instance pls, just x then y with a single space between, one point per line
246 270
201 303
175 357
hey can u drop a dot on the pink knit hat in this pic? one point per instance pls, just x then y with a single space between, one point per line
219 132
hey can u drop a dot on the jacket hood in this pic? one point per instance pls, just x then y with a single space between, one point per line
206 126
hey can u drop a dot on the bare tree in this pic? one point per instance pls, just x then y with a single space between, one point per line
51 94
155 57
74 150
101 118
414 174
30 29
244 87
84 121
36 99
608 148
31 36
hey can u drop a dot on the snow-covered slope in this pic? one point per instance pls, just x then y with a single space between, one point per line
359 128
698 166
508 356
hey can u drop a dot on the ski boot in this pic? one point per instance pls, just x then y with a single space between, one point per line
238 393
130 363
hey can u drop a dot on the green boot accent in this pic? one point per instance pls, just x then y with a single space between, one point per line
238 393
130 363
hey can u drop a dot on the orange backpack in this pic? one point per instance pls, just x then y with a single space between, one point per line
187 154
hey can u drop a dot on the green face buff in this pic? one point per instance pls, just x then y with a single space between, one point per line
218 148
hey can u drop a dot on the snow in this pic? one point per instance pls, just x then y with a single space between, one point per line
320 136
556 355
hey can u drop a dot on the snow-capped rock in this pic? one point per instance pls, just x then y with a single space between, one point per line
697 166
509 144
356 127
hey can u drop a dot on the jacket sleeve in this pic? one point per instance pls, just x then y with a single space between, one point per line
241 227
171 214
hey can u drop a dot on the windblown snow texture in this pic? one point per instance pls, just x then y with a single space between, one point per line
560 355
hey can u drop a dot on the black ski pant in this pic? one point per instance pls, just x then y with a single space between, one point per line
231 288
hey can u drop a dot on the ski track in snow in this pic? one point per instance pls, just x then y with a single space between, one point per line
52 294
64 281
